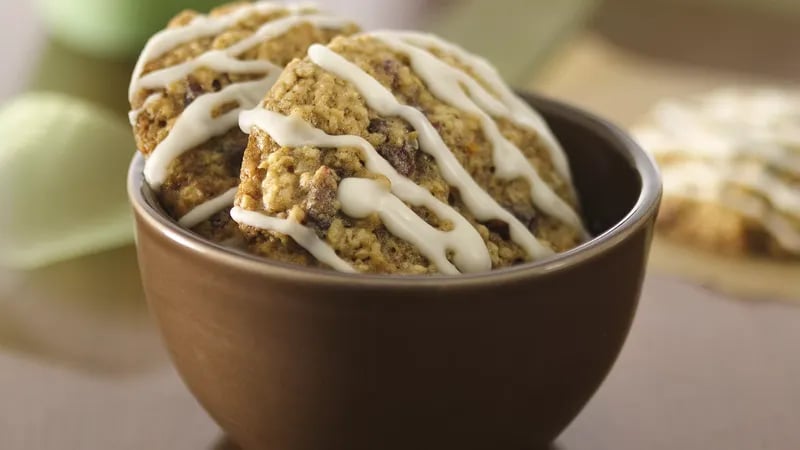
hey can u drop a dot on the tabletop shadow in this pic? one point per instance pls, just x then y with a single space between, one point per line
88 313
226 444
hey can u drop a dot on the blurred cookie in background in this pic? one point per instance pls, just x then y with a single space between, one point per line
730 162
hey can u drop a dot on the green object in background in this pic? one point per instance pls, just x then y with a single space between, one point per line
63 165
515 35
112 28
101 81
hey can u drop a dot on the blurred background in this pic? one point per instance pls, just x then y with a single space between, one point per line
80 363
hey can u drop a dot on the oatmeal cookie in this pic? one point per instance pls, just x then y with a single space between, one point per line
397 152
190 84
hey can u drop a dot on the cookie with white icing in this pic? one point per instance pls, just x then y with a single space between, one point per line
397 152
730 162
188 88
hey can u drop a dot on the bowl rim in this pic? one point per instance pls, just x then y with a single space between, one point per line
645 207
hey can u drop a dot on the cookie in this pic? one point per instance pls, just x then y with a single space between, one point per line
399 153
730 162
188 88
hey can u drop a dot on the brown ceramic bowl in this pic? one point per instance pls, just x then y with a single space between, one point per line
291 358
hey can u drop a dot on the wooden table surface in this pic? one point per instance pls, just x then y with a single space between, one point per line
81 366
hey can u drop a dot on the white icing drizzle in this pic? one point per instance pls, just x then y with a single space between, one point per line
514 108
360 197
207 209
196 125
482 205
303 235
199 27
469 251
461 91
727 139
218 60
133 116
225 60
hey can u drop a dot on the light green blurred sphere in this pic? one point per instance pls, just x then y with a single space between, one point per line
63 164
112 28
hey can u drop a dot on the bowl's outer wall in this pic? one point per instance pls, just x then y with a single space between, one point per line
289 365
